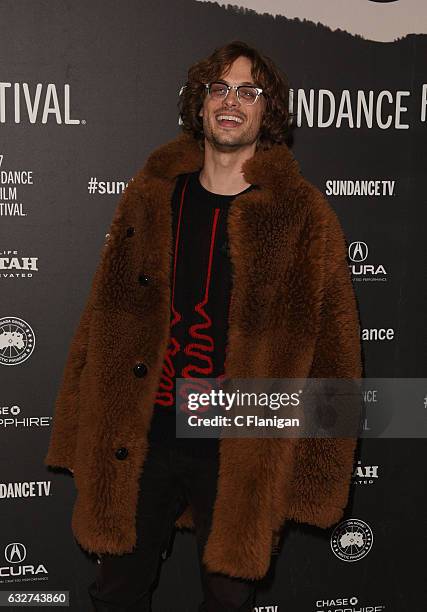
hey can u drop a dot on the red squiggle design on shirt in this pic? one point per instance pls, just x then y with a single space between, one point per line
201 350
164 395
207 342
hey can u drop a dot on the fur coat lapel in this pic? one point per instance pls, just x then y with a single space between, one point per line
292 314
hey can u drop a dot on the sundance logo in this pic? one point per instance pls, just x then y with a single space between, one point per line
32 488
21 102
377 334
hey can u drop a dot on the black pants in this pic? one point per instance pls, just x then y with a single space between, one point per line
171 476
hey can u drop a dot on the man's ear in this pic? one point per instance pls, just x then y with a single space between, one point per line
201 111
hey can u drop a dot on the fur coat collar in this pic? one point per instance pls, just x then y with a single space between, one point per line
292 314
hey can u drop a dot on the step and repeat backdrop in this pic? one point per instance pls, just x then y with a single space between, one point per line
87 90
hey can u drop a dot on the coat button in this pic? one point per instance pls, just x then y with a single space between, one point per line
130 231
140 369
143 279
122 453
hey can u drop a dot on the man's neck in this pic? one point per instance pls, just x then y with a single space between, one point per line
222 170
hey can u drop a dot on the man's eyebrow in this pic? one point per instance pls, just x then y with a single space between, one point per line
245 83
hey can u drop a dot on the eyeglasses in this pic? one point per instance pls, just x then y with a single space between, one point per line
247 94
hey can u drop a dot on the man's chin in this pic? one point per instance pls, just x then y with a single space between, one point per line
226 142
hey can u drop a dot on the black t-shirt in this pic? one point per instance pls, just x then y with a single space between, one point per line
200 295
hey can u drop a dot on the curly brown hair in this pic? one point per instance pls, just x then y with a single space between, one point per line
275 126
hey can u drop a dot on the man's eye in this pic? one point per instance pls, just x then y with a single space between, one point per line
248 93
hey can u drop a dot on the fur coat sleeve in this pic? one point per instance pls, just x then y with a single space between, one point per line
65 423
324 466
63 437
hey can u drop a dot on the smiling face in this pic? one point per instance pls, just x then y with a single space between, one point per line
226 135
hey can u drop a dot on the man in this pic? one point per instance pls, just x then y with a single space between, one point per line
221 260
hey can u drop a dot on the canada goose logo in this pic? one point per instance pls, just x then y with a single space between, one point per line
17 341
15 552
352 540
358 251
380 20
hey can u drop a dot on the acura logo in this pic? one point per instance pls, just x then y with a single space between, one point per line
358 251
15 552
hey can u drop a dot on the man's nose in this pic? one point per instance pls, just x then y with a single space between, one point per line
232 99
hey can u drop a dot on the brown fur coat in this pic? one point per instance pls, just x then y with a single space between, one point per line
293 314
